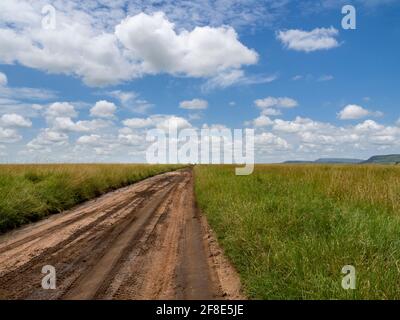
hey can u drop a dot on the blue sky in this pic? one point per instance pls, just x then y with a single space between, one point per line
87 89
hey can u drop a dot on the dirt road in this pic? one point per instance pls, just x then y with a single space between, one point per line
145 241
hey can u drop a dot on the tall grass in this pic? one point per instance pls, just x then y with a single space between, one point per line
289 229
31 192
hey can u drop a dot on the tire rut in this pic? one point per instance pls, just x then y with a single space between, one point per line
146 241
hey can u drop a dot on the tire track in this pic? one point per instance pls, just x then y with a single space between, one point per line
89 284
146 241
70 220
74 253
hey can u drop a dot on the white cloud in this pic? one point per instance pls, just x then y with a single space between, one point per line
235 77
271 112
299 124
127 137
195 104
262 121
138 123
103 49
308 41
131 101
369 125
26 94
324 78
103 109
157 121
353 111
153 40
224 79
314 139
9 135
15 120
123 96
270 102
37 107
238 13
61 109
102 151
3 153
383 140
74 48
66 124
47 138
164 123
317 139
271 142
3 79
91 140
313 6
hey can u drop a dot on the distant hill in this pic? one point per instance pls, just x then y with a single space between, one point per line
384 159
326 160
338 160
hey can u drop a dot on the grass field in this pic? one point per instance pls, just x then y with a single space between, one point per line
31 192
289 229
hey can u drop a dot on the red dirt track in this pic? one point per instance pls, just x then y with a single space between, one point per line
145 241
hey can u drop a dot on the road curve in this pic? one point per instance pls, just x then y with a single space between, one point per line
145 241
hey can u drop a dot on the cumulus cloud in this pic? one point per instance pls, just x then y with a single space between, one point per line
3 79
271 112
157 121
235 77
153 40
103 109
66 124
128 137
140 44
165 122
195 104
270 140
26 94
271 102
131 101
310 139
262 121
298 125
353 111
368 126
48 137
125 97
308 41
138 123
9 135
61 109
15 120
92 140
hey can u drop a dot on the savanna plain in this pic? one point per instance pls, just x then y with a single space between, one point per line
288 230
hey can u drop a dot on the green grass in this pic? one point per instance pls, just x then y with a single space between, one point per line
289 229
31 192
